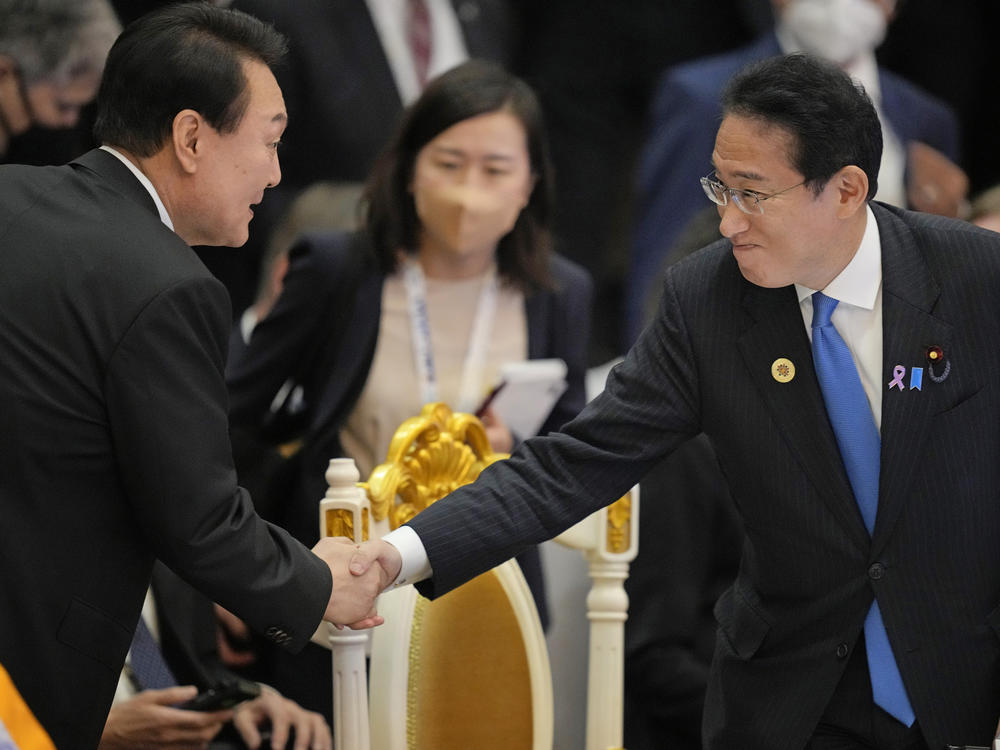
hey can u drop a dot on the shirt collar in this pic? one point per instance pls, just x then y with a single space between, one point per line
144 181
859 282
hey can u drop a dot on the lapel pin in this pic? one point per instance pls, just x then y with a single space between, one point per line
935 356
782 370
898 373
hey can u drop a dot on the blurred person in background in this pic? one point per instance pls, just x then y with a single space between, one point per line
52 53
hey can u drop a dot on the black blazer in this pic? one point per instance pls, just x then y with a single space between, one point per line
115 445
809 569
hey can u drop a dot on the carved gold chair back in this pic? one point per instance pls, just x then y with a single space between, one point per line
469 669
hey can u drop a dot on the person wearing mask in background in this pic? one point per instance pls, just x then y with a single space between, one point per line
458 212
52 53
918 168
113 405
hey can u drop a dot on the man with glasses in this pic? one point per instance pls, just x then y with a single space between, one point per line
841 355
920 133
52 53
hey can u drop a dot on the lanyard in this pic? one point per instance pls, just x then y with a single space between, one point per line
475 356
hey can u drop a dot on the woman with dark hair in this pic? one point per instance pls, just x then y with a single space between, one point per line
452 277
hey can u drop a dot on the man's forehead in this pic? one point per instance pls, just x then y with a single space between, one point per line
754 144
266 101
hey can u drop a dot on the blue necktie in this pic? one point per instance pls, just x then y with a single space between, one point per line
148 666
860 445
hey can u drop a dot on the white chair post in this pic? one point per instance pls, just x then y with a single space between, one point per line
345 511
609 540
607 610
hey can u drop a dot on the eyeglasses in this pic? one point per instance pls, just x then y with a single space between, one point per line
747 201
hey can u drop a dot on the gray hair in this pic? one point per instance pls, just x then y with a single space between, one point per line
57 40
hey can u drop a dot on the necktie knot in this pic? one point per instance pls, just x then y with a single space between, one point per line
823 308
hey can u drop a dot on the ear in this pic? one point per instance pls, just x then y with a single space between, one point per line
851 186
187 134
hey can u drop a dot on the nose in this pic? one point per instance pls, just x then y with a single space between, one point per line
275 173
732 220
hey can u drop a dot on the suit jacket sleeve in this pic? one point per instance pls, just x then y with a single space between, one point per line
650 405
166 400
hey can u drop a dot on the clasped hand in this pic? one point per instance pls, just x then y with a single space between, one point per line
360 573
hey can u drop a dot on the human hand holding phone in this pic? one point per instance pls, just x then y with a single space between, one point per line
223 696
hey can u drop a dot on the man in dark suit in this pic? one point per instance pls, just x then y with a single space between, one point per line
885 555
112 398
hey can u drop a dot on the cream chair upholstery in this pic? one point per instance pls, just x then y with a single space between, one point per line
469 669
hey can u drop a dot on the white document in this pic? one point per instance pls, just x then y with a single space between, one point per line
531 388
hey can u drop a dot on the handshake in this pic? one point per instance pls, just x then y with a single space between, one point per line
360 573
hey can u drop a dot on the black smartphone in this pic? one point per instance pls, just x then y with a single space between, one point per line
222 696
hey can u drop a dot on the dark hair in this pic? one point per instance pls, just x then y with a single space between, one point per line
831 119
474 88
186 56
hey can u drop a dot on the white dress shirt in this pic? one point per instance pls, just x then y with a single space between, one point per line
447 43
858 317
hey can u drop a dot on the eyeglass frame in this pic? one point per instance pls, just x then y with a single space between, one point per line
739 194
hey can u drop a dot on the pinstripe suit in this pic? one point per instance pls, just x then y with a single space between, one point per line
809 569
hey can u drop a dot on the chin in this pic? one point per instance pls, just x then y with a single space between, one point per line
236 239
762 280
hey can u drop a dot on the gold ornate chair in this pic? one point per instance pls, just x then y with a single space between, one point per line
470 669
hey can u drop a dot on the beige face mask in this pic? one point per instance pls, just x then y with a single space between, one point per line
466 218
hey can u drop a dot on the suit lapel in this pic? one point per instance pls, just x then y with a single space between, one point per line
367 55
538 313
355 339
797 406
909 327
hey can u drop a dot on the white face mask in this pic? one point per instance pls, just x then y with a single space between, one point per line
837 30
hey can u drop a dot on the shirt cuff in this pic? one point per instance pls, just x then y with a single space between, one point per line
416 567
